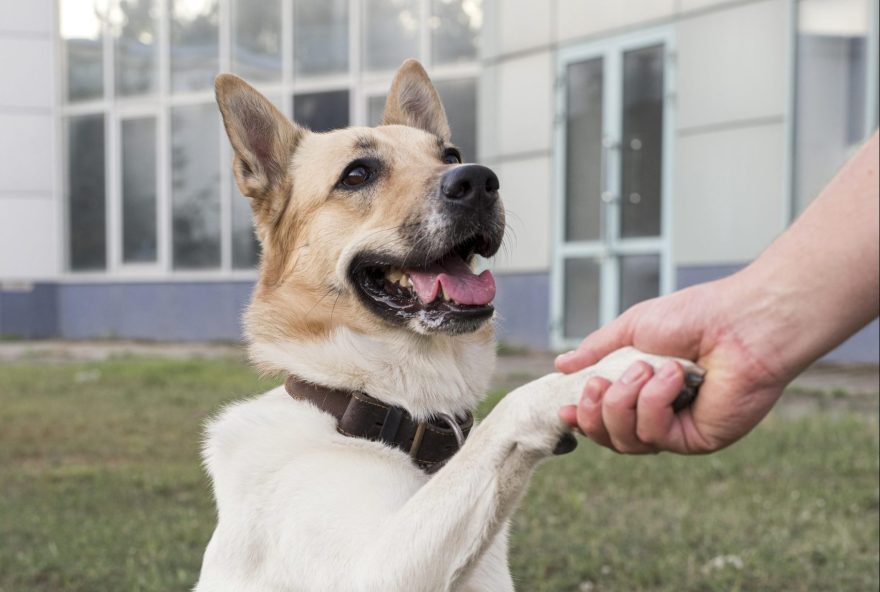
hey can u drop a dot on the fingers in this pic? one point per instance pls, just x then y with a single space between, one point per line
619 409
656 417
633 415
589 412
596 346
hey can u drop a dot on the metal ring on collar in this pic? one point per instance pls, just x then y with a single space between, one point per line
453 425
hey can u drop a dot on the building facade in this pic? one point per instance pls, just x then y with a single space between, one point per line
642 145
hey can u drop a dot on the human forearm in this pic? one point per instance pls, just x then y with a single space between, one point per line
818 283
753 332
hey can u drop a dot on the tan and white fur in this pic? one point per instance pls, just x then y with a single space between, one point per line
300 506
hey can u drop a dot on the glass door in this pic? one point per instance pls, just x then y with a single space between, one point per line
613 167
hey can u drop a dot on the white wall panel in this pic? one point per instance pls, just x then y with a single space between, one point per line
26 70
525 104
27 155
29 247
26 16
688 5
733 64
579 18
526 189
28 238
728 196
522 24
488 100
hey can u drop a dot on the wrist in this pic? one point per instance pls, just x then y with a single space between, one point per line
763 315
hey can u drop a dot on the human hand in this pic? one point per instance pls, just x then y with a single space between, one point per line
717 325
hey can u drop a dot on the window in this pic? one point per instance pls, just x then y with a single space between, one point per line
455 30
134 43
256 40
835 75
320 37
323 111
245 248
139 213
86 192
376 109
195 49
82 31
147 177
195 186
391 33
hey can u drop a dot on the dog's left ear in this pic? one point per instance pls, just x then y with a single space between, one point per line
414 101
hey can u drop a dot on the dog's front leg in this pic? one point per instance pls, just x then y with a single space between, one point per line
434 540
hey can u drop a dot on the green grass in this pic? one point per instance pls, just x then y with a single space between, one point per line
101 490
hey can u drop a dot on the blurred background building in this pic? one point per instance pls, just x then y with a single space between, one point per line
642 145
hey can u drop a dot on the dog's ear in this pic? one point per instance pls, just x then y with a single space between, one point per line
414 101
263 140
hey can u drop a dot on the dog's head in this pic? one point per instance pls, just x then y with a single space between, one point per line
374 229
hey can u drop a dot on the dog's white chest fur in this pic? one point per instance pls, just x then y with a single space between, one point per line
302 508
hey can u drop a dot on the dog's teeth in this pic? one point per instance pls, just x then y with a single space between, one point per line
404 280
394 275
445 296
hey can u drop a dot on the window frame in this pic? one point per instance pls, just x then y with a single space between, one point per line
359 83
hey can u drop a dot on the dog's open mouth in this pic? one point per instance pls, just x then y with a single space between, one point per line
444 293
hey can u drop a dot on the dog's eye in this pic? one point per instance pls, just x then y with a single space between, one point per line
452 156
357 175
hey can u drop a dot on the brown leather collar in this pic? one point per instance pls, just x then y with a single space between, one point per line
429 443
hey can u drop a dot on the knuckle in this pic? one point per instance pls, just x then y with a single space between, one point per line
644 435
657 395
626 449
616 401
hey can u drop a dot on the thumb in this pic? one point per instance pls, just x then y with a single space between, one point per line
597 345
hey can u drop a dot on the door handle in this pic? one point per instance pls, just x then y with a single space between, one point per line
607 197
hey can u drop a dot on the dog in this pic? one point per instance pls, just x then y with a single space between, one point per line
368 302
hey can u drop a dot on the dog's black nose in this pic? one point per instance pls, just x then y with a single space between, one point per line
470 185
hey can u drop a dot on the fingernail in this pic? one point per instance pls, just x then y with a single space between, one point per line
634 374
565 356
668 371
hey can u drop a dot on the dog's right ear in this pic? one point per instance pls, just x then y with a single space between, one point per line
413 101
263 140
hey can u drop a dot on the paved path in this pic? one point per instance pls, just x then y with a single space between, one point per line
91 351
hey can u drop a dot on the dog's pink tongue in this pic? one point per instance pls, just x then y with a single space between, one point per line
460 283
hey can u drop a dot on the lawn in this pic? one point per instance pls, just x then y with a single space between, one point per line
101 490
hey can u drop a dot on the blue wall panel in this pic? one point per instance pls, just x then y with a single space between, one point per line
211 311
30 312
196 311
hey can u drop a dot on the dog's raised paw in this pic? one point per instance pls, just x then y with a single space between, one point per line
615 364
688 394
